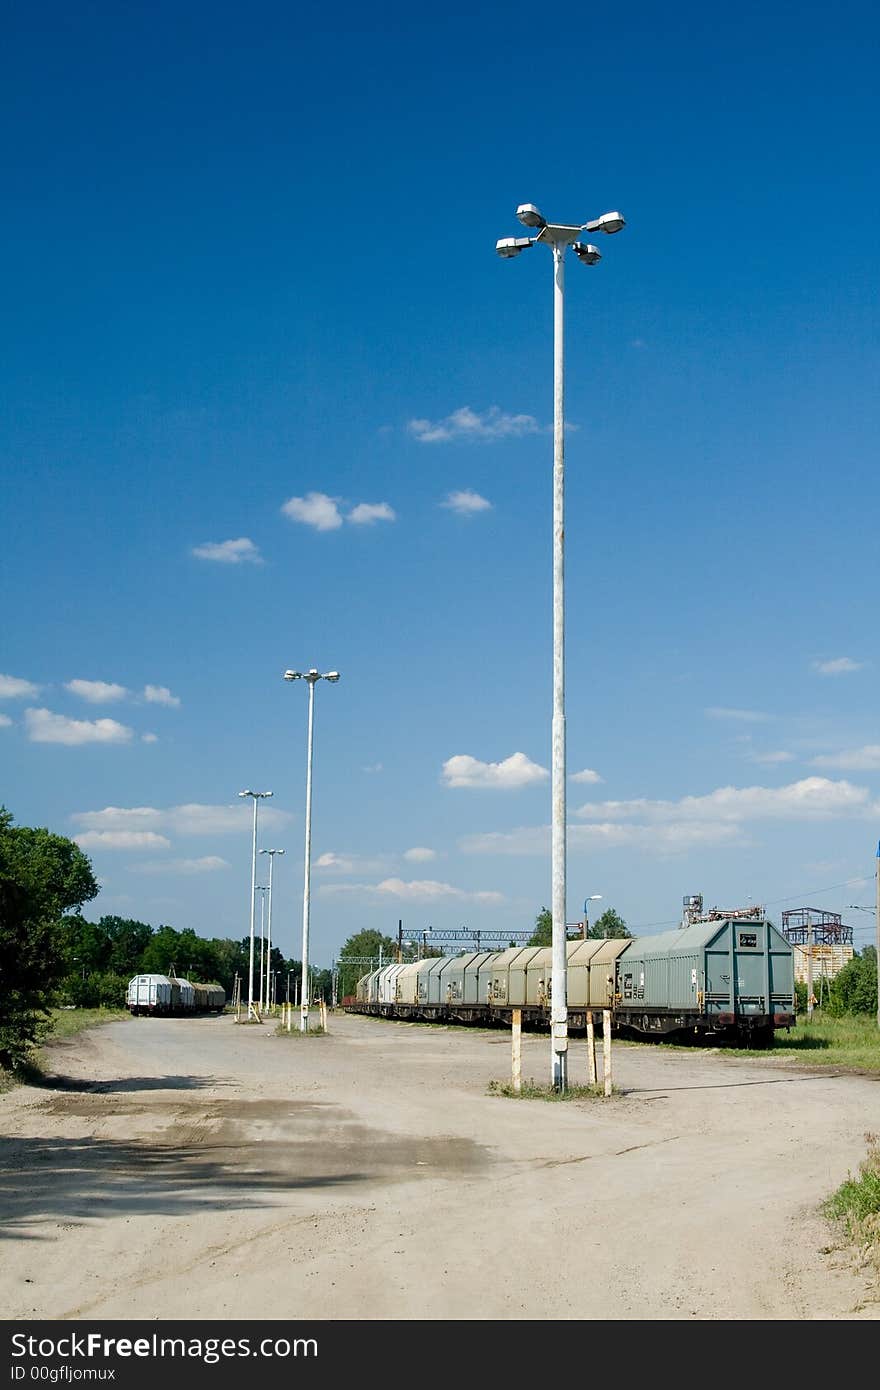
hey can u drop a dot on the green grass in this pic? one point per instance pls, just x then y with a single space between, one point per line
856 1203
532 1091
295 1031
851 1043
66 1023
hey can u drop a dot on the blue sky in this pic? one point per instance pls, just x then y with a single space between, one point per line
271 400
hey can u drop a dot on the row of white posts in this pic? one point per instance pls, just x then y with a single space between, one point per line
516 1050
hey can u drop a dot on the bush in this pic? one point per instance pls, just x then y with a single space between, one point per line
854 988
101 990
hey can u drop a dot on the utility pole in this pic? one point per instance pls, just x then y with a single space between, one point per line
810 970
399 940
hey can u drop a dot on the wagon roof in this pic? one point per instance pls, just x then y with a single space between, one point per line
686 940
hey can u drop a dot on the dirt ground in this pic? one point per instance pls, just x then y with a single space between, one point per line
192 1168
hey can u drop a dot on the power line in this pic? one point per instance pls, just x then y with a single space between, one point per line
816 891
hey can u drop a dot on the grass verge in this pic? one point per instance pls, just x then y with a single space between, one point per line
64 1024
532 1091
856 1204
851 1043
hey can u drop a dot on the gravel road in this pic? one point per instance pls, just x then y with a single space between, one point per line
194 1168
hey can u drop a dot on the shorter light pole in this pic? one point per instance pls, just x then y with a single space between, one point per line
271 853
593 898
257 796
262 890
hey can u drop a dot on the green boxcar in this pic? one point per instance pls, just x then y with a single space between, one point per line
733 976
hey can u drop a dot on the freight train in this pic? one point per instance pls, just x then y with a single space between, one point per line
720 979
167 994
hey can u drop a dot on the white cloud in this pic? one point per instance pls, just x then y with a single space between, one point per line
865 759
195 819
747 716
331 862
466 503
208 864
365 513
337 863
45 727
13 688
237 552
119 818
587 775
413 890
122 839
668 827
191 819
840 666
516 771
812 798
373 767
5 721
97 692
778 757
419 855
315 509
149 738
658 839
160 695
468 424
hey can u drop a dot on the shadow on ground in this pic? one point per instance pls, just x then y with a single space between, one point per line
128 1084
201 1155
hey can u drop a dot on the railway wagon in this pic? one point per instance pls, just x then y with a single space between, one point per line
716 977
726 978
169 994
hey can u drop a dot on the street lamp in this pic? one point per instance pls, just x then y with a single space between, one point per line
593 898
558 236
271 853
312 677
262 890
257 797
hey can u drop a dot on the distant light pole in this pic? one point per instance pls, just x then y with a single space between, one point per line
262 890
593 898
271 853
257 797
558 236
312 677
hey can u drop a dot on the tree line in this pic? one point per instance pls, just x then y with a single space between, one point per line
51 956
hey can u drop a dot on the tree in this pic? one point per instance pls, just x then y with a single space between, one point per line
363 949
854 988
610 925
543 933
128 941
42 876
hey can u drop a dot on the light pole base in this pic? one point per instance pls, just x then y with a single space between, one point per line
560 1071
304 1021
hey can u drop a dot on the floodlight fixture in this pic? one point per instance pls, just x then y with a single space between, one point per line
586 254
512 245
609 222
530 216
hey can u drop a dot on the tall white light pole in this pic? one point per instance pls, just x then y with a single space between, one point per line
558 236
258 796
271 853
312 677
